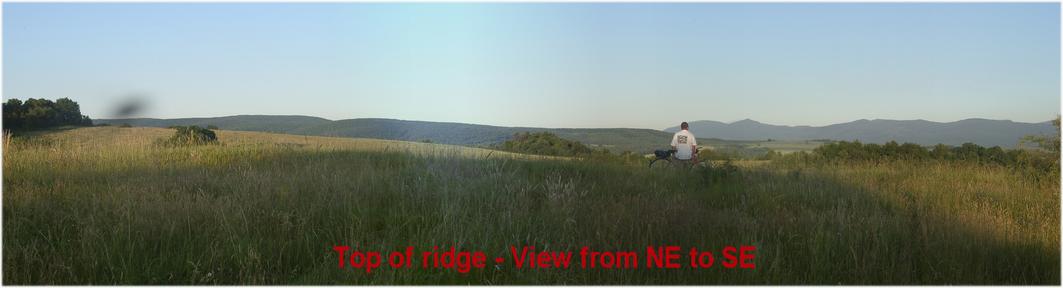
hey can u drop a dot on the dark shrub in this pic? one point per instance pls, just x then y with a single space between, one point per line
191 135
544 143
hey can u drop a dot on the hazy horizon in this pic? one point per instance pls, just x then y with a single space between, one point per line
654 128
551 65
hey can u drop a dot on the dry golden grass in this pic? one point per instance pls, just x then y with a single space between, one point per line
104 205
141 138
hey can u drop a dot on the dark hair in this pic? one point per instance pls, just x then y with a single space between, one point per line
684 126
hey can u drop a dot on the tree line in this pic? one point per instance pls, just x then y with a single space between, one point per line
1045 159
42 113
1035 152
856 151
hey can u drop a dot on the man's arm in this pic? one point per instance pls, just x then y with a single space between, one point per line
694 145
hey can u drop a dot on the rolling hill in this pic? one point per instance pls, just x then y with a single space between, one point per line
122 140
614 139
749 136
983 132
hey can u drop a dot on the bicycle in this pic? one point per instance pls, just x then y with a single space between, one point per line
668 156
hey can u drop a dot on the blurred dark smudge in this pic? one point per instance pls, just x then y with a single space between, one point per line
133 104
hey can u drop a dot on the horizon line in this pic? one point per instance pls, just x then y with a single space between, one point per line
495 125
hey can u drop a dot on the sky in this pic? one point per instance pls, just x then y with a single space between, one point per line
649 65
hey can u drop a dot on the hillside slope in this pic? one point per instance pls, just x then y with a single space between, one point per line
262 123
615 139
102 205
142 138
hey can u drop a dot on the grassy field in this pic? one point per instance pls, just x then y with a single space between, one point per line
105 206
787 146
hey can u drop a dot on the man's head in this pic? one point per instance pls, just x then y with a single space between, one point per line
684 126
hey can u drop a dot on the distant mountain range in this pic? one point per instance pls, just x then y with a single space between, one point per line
740 134
983 132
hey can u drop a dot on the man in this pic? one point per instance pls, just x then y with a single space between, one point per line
685 144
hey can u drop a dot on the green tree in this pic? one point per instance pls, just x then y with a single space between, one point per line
941 152
13 114
1049 143
1049 160
67 112
42 113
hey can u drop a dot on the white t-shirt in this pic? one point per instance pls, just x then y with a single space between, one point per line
684 142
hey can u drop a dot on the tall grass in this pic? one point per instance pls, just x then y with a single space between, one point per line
104 206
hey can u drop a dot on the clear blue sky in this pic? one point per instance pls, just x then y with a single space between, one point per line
547 64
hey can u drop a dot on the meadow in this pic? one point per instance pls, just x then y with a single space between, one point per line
785 147
103 205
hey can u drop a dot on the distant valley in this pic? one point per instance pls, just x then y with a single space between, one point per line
985 132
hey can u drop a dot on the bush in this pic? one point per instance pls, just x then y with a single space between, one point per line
544 143
772 154
718 172
190 135
125 125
